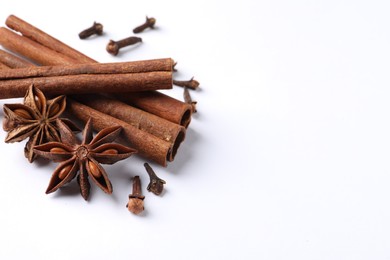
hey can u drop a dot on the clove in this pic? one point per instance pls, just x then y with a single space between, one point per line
192 84
174 67
149 23
96 28
188 99
113 47
136 199
156 185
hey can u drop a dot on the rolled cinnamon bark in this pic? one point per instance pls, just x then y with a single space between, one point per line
45 39
166 108
31 49
153 102
159 104
142 120
12 61
145 120
155 125
147 144
92 68
3 66
84 83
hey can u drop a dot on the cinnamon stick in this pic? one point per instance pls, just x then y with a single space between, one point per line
142 120
147 144
174 134
187 110
45 39
153 102
84 83
159 104
3 66
12 61
31 49
93 68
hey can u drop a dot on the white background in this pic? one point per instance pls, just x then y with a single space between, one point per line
287 158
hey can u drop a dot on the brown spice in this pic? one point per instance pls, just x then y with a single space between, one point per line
3 66
156 185
96 28
152 101
174 67
83 157
12 61
149 23
34 119
192 84
140 119
88 78
31 49
188 99
147 144
88 83
45 39
136 199
141 66
160 105
113 47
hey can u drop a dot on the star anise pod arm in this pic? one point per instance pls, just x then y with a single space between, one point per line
111 153
35 99
106 135
98 175
55 151
63 174
22 120
82 179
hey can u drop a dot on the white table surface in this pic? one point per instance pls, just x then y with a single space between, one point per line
287 157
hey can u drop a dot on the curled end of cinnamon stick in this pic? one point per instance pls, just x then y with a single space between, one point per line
175 146
186 117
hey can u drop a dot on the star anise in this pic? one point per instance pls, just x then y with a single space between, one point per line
34 119
83 157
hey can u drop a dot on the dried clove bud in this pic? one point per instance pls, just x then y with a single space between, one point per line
149 23
174 67
192 84
136 200
188 99
96 28
156 185
113 47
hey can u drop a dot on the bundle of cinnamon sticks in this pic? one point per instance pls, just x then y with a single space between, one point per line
122 93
